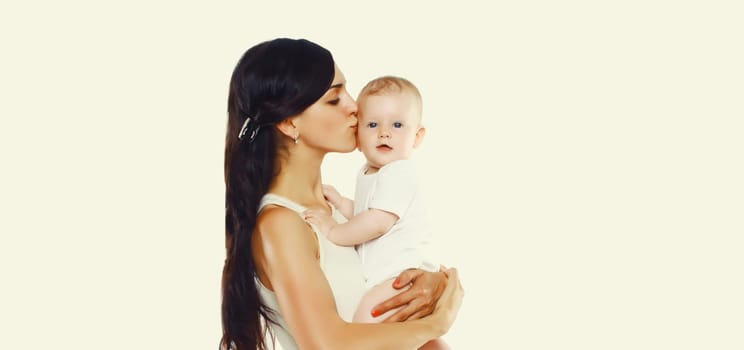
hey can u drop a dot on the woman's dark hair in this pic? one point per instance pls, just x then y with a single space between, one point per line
273 80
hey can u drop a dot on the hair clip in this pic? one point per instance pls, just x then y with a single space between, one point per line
244 129
254 133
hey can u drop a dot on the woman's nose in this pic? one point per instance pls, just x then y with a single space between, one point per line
352 107
352 110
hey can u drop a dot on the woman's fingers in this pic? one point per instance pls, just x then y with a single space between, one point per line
414 310
406 277
401 299
419 300
418 314
428 291
401 315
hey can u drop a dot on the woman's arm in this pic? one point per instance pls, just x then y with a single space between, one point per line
287 257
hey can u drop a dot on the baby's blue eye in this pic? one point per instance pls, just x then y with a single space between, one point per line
398 124
372 124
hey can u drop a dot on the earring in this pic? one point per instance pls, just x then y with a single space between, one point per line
295 138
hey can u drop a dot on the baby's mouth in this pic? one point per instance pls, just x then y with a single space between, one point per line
384 148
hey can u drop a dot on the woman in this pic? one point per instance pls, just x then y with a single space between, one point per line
287 108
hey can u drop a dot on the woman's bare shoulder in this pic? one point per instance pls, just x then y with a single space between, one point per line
272 216
278 225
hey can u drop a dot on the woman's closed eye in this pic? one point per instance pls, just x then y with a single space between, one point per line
334 101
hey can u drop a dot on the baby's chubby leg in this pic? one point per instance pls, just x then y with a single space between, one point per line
374 296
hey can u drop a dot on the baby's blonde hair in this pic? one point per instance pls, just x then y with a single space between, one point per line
389 84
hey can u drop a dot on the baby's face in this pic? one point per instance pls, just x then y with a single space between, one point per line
388 127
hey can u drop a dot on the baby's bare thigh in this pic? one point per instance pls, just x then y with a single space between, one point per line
374 296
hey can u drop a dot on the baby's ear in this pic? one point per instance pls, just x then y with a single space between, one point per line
419 137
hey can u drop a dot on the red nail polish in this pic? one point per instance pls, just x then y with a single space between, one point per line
375 313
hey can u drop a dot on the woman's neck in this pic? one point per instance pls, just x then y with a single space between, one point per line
299 179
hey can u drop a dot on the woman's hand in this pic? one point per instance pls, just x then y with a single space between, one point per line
419 300
450 301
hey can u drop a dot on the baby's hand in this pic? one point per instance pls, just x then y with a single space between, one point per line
331 194
320 219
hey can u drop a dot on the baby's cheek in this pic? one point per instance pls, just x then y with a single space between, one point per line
363 143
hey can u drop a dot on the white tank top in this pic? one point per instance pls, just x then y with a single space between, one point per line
340 265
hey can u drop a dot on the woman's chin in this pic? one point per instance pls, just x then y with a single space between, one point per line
347 148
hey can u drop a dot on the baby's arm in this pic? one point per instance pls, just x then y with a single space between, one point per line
363 227
344 205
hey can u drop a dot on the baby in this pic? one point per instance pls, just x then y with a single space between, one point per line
386 219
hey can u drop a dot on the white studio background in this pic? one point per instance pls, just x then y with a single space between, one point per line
583 164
